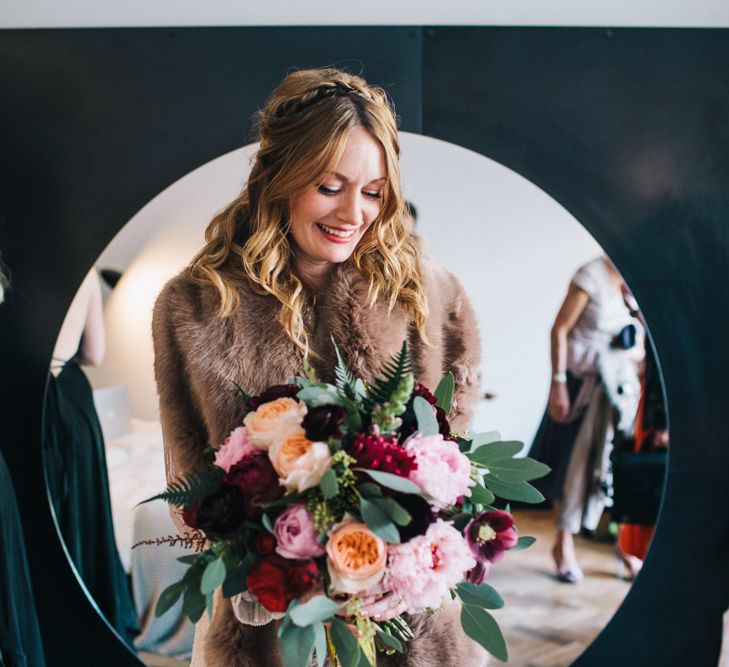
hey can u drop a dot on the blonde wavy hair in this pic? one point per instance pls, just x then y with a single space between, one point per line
302 132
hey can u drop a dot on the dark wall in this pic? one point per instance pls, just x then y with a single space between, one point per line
628 129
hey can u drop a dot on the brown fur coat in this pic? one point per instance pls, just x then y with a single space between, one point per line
198 356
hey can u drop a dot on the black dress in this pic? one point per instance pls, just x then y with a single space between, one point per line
78 483
20 639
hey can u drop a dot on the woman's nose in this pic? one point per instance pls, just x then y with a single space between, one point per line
350 209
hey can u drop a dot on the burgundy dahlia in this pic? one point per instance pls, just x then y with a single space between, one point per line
256 478
221 513
488 536
272 393
410 424
323 422
377 452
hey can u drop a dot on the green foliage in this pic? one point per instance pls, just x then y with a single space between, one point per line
378 520
522 491
347 383
329 485
315 610
481 596
480 626
524 542
382 389
394 482
427 422
486 454
296 644
168 598
213 576
444 392
235 582
190 488
518 470
348 649
481 496
320 644
390 642
241 392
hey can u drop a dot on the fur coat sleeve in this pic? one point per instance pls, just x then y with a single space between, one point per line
198 357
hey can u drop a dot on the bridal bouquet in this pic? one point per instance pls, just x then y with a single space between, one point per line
327 497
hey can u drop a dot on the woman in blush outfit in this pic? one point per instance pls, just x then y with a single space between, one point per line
313 248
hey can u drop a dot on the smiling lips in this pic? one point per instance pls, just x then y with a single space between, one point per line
336 234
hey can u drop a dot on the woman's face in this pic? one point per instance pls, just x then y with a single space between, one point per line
329 217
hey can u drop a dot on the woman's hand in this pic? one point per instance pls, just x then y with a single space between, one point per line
559 402
383 607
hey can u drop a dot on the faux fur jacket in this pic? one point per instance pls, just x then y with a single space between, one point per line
198 355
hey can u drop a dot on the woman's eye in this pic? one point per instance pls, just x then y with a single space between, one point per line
328 191
373 195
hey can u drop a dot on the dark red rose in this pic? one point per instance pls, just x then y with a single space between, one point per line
377 452
221 514
275 580
272 393
268 580
421 513
263 543
303 575
189 516
256 478
324 421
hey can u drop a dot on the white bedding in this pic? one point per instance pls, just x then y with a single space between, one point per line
136 472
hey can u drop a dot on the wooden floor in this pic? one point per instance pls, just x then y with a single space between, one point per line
548 623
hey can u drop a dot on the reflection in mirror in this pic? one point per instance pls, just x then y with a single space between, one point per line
516 251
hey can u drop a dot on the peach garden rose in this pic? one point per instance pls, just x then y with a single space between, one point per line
274 420
356 558
299 462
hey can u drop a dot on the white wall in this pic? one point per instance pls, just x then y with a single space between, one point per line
612 13
513 247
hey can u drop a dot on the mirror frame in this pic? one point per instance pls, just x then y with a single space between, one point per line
625 128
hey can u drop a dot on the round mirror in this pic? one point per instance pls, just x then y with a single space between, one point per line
514 249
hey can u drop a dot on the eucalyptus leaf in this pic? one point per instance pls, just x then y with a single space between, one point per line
378 521
523 491
524 542
481 626
427 422
369 490
518 470
481 495
394 482
460 521
329 485
168 598
213 576
315 610
444 392
235 582
479 439
320 643
266 521
345 644
394 510
193 603
489 453
390 641
317 395
296 645
189 559
481 596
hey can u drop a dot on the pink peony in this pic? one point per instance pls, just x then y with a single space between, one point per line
295 534
235 447
425 569
443 472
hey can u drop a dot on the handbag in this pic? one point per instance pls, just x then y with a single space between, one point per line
637 485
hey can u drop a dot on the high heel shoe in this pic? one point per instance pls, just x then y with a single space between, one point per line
567 575
627 566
